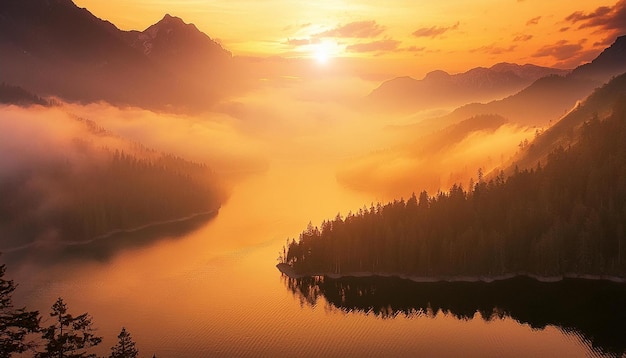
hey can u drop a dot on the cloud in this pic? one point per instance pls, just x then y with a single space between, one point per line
413 49
494 49
612 19
561 50
594 17
301 42
385 45
563 29
357 29
434 31
533 21
522 38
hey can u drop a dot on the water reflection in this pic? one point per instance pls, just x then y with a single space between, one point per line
592 310
104 247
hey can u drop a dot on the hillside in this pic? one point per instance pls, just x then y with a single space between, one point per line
565 216
55 48
122 184
567 131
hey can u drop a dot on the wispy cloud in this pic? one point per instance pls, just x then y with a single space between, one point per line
610 19
522 38
385 45
301 42
494 49
561 50
533 21
434 31
357 29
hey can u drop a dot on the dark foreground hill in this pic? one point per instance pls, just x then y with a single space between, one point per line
55 48
564 216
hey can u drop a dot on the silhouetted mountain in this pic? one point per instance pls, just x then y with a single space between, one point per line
55 48
172 43
610 62
440 89
548 98
567 131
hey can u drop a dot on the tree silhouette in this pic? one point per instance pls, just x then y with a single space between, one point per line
125 347
68 336
15 324
565 216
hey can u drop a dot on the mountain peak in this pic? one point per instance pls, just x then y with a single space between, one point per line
171 20
608 63
437 75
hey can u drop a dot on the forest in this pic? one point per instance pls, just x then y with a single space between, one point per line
564 216
119 191
67 335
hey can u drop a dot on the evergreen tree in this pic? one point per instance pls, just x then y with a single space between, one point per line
15 324
68 336
125 347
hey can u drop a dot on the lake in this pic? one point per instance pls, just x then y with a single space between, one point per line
210 288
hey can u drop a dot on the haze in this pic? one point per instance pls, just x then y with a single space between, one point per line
162 152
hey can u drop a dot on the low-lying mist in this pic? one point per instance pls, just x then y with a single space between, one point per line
288 123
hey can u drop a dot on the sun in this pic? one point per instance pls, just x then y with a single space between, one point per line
322 53
321 56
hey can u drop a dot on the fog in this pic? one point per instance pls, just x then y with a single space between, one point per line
288 124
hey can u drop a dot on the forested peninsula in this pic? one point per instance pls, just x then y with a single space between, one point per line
564 217
96 184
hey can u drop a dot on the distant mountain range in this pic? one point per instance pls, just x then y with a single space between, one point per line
548 98
440 89
52 47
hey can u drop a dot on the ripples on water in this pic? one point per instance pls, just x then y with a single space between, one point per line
212 290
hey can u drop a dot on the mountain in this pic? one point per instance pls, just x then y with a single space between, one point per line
173 43
566 132
610 62
548 98
564 218
440 89
55 48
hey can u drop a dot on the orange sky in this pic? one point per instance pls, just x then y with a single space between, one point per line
407 37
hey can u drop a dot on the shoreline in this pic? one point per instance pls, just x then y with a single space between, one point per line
291 273
111 233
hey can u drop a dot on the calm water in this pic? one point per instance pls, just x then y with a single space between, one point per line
214 291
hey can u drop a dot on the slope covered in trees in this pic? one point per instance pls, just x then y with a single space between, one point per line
565 216
64 334
91 183
118 192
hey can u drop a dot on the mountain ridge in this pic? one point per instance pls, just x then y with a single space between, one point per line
55 48
439 88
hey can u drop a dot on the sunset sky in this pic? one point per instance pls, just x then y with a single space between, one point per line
408 37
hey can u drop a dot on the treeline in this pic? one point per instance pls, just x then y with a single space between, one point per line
10 94
67 335
567 216
103 190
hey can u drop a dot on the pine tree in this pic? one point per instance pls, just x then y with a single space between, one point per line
15 324
68 336
125 347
